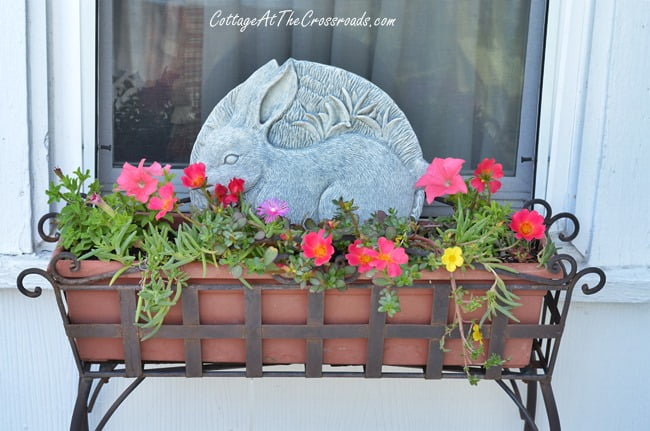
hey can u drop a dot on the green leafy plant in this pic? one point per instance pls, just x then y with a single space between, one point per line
141 225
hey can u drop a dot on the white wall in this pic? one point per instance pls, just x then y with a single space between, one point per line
594 123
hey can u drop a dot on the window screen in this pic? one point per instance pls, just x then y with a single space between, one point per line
466 73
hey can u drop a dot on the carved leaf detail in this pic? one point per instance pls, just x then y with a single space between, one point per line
309 127
325 121
338 107
387 130
336 118
357 106
384 118
312 118
338 115
338 128
370 122
348 100
317 124
366 110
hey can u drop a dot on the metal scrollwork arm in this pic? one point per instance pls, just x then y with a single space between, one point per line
602 279
41 232
550 219
572 275
563 265
574 220
64 255
37 290
75 265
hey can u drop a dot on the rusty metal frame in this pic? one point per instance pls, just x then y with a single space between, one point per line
546 335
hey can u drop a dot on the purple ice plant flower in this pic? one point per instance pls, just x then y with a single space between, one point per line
271 209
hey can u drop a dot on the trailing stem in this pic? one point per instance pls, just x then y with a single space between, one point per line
458 318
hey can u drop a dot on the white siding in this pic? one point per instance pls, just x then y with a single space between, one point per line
621 176
15 192
38 384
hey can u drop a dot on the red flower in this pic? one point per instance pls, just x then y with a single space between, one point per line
442 178
236 186
229 195
139 182
220 191
360 256
528 225
223 196
194 176
230 199
487 173
389 257
315 245
165 202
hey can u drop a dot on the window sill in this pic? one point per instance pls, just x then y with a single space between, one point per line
627 285
12 265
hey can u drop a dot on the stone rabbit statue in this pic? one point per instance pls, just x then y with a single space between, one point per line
307 134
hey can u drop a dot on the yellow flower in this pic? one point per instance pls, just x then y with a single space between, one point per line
477 335
452 258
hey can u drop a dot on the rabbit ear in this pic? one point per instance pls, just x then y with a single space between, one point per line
278 95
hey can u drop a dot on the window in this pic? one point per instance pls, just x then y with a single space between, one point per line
466 73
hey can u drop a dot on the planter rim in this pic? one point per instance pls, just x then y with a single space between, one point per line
88 268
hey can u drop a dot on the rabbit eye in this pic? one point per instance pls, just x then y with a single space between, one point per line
231 159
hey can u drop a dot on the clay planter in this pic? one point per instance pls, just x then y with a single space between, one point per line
99 304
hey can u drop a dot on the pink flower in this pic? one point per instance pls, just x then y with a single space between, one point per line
389 257
165 202
360 256
271 209
157 170
138 182
487 173
528 225
442 178
194 176
97 200
315 245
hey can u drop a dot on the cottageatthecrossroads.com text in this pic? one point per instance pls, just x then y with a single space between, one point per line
289 18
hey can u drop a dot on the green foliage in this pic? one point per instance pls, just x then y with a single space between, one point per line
119 228
494 361
88 231
389 302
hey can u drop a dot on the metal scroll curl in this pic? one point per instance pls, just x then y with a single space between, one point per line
75 265
37 290
41 232
64 255
550 219
563 265
599 273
